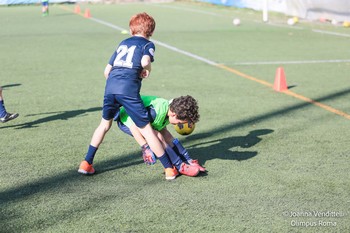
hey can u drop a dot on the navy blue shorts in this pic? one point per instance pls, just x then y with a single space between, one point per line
124 128
133 106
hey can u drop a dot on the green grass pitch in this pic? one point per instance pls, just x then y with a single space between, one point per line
275 163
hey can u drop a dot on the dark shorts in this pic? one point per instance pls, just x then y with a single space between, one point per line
124 128
133 106
151 116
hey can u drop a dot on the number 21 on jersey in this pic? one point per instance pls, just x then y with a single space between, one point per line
124 56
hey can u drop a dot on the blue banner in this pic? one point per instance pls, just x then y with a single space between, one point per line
235 3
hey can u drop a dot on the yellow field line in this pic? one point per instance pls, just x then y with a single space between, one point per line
288 92
244 75
324 106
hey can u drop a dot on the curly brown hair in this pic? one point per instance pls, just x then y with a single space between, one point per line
185 108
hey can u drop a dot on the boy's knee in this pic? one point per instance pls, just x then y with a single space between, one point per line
105 125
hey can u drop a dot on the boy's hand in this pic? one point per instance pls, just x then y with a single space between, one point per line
148 156
144 73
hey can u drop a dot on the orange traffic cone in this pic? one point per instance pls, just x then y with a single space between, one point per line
77 9
280 80
87 13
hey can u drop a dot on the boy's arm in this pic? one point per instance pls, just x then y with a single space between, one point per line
137 135
146 64
107 70
167 137
163 137
147 154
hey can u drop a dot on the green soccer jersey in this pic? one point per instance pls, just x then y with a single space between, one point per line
161 107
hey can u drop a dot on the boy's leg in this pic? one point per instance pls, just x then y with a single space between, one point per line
175 144
2 108
157 148
97 138
100 132
4 115
179 149
182 152
110 107
182 167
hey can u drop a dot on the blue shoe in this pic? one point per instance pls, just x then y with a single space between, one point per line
8 117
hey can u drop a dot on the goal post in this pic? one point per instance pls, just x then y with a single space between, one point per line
265 11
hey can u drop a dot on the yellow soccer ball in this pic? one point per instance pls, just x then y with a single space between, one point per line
185 128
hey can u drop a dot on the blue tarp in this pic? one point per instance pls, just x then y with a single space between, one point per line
17 2
236 3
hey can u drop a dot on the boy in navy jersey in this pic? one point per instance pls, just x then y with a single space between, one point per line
128 65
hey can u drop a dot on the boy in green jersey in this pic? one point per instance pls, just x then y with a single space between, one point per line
162 112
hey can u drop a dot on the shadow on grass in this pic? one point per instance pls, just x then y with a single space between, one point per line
59 182
64 115
268 115
47 183
220 148
10 85
225 148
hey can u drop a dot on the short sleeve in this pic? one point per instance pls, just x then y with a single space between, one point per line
149 50
111 60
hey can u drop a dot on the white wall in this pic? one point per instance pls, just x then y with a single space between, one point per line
307 9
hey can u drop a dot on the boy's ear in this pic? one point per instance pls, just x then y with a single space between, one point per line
172 114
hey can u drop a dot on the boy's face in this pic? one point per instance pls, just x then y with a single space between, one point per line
173 119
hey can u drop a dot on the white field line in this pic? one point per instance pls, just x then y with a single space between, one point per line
199 58
189 10
293 27
108 24
331 33
229 17
256 21
290 62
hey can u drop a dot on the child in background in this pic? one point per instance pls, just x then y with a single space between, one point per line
161 113
45 7
128 65
4 115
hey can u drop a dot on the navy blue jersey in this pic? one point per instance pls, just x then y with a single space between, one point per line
124 77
